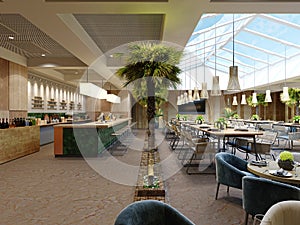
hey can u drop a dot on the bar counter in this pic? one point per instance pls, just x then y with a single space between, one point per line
19 141
86 139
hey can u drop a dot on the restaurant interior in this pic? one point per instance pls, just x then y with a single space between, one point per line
150 112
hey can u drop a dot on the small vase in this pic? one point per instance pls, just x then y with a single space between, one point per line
286 165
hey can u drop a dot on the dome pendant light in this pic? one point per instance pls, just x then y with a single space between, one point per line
233 83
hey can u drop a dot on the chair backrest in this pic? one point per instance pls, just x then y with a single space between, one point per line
286 212
230 169
149 212
268 126
267 137
294 135
280 129
259 194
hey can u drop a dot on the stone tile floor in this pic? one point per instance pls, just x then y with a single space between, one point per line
42 189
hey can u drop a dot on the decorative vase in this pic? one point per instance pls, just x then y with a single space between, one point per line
286 165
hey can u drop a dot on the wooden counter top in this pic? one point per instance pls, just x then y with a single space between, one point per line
94 124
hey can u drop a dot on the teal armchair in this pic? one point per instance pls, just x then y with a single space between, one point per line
151 212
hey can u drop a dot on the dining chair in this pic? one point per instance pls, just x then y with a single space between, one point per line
263 145
230 169
259 194
286 212
151 212
200 149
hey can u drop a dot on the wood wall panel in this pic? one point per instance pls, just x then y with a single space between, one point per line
18 91
4 84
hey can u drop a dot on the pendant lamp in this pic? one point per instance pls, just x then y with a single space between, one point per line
89 89
233 83
178 100
215 91
243 101
234 102
190 91
268 97
196 91
204 92
285 95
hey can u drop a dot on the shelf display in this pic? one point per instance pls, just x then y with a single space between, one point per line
79 106
71 105
63 105
37 102
51 104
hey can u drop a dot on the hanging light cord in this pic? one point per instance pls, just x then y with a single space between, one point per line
268 72
233 39
190 71
204 57
215 52
285 65
254 75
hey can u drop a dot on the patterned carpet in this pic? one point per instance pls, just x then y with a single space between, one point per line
42 189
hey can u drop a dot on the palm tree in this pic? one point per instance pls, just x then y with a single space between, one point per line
151 67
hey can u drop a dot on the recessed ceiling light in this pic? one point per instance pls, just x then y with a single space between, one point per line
43 55
11 37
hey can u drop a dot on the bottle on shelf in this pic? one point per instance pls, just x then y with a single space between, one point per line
6 123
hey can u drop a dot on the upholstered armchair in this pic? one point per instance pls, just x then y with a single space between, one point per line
259 194
286 212
230 170
151 212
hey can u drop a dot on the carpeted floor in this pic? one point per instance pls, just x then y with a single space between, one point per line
42 189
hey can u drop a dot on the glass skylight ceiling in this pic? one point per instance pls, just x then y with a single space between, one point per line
262 43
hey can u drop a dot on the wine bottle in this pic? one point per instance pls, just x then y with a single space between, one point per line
6 123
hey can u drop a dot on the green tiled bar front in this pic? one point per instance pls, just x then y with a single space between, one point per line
89 141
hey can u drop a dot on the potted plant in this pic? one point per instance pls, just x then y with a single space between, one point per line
221 123
235 116
255 117
228 113
178 116
296 119
199 119
185 117
286 160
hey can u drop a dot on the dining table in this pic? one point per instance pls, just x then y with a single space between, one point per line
224 134
270 171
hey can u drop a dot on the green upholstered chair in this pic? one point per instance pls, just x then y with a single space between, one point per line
151 212
230 170
259 194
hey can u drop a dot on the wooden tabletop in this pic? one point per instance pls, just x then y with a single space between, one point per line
263 171
229 132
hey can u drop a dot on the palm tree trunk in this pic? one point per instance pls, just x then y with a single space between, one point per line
151 114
